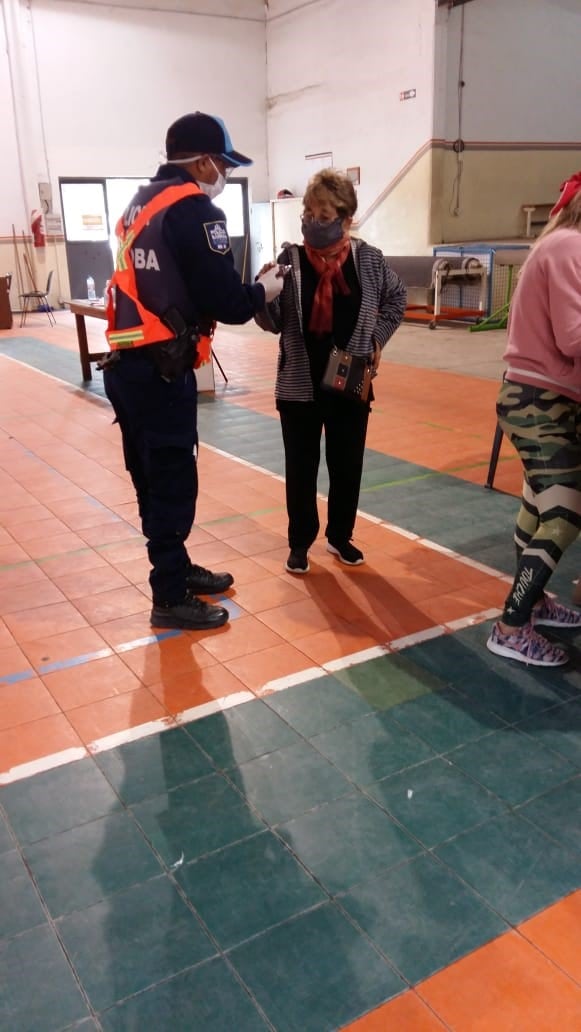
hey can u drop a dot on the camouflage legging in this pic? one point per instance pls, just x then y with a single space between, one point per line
545 429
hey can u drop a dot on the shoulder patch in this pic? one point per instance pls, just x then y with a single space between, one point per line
217 236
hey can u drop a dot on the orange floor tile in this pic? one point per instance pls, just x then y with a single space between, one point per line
505 986
74 607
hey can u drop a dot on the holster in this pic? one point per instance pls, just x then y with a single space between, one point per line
109 360
173 357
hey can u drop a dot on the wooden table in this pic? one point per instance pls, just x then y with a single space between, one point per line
80 310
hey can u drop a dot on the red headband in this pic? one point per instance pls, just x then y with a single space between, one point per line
568 190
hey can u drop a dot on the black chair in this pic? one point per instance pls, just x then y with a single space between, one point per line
495 453
216 360
41 297
494 456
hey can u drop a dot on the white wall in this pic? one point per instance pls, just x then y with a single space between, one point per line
335 72
112 79
11 204
521 69
520 118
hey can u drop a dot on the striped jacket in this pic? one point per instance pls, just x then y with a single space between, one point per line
383 301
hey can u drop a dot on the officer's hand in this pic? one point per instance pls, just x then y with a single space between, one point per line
265 268
273 281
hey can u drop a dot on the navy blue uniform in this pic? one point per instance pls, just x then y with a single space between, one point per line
212 281
158 419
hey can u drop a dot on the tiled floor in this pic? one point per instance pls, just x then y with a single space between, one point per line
340 811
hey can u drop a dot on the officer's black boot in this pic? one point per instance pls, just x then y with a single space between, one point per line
204 582
191 614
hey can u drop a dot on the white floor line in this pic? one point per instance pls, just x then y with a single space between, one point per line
417 638
475 618
41 372
291 680
375 652
40 766
207 709
131 734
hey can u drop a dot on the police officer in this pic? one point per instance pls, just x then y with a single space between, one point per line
174 278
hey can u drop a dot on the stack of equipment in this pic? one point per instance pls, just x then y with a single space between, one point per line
426 278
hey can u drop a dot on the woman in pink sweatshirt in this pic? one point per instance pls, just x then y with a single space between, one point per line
539 409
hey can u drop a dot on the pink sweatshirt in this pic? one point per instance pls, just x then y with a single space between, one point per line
544 328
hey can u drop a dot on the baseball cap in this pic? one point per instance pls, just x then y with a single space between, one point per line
199 133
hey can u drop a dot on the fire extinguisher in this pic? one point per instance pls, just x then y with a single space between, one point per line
37 227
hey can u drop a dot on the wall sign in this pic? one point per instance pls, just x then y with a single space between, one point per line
407 95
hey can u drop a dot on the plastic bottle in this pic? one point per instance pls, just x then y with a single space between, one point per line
91 295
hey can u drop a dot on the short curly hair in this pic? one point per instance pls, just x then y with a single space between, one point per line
336 187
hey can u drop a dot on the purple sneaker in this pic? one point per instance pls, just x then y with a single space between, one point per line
554 614
526 646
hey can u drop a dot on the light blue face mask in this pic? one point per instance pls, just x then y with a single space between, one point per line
322 234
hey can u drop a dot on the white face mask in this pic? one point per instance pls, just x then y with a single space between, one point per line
211 190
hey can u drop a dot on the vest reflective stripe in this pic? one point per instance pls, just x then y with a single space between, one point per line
121 339
151 329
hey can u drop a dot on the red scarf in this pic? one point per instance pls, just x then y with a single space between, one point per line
328 263
568 190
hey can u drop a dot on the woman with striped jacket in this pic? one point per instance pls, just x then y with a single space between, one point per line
339 292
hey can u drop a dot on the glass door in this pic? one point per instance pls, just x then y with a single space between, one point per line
86 227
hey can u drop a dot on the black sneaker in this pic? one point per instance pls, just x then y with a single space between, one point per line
192 614
347 553
298 561
204 582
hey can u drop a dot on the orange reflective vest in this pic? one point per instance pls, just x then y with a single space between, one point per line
150 329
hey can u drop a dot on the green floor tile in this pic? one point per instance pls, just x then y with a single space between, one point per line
196 819
318 705
493 684
368 749
205 999
514 767
20 907
247 888
516 868
315 973
435 801
558 729
289 782
446 719
132 940
58 800
389 680
347 841
564 682
6 840
39 992
422 917
86 864
153 765
558 813
241 733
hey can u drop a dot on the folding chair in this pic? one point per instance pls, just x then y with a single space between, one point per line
40 296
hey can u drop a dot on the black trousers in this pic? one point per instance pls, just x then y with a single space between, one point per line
345 425
159 433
